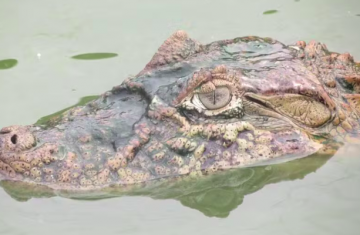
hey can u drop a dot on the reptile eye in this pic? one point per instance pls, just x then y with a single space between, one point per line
215 93
216 99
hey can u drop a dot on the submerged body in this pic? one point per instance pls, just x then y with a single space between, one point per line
195 109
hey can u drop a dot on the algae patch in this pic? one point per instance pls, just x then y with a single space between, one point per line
8 63
94 56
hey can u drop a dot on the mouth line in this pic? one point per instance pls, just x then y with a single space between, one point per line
256 101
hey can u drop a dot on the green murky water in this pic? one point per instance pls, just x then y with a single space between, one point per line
317 195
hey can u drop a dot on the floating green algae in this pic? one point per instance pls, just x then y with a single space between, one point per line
270 12
94 56
8 63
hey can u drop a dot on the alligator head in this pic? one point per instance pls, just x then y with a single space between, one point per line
194 110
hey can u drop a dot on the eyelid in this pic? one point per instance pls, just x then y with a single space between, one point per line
197 103
220 82
212 85
207 87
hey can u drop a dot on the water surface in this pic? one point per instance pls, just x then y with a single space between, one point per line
312 196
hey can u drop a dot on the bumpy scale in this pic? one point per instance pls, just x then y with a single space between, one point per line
195 109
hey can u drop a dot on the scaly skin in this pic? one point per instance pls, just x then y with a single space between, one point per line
194 109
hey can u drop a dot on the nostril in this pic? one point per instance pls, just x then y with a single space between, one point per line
14 139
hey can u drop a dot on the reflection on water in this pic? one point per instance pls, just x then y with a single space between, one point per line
221 193
214 195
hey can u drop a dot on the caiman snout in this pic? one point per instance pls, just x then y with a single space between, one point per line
16 138
20 156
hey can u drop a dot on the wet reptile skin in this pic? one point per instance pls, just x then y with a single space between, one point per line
195 109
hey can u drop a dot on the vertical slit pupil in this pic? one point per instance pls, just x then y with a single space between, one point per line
214 97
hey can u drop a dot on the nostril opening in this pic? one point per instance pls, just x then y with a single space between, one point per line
14 139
